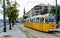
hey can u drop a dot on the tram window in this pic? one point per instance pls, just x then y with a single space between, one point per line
37 19
31 20
41 19
26 20
52 20
34 20
46 20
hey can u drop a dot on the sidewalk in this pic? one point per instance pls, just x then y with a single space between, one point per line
14 33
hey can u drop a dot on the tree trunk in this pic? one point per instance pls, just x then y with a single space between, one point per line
13 23
10 24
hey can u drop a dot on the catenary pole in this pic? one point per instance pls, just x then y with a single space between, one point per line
4 13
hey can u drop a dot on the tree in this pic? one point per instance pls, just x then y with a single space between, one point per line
14 13
24 17
8 12
0 1
53 11
59 13
11 12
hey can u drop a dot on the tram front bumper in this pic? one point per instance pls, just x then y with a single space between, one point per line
53 30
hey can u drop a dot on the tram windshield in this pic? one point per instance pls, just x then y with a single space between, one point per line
51 19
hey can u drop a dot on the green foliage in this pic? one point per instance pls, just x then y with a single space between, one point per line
0 1
12 11
8 2
24 17
53 10
59 13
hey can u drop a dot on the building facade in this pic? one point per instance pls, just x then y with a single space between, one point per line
38 9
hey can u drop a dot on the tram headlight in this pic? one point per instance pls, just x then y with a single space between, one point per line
52 26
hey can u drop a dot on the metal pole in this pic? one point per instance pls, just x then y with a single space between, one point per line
56 13
4 13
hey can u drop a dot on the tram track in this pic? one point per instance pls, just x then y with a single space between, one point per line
24 33
28 34
56 34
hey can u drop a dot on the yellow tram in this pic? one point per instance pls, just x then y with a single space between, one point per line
43 23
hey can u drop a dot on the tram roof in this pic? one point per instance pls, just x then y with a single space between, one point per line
38 16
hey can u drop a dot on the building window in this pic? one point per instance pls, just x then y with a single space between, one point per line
45 7
38 7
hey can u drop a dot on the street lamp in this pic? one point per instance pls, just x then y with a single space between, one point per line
4 13
56 12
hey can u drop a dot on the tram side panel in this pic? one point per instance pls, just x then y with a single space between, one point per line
35 26
40 26
29 24
25 24
52 26
49 27
45 27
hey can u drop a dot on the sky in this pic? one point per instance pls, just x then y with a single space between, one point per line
29 4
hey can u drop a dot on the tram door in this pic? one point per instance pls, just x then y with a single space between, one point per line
45 25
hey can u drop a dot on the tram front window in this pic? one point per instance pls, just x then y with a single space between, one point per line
49 20
52 20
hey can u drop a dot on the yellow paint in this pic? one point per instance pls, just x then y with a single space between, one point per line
46 16
41 26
